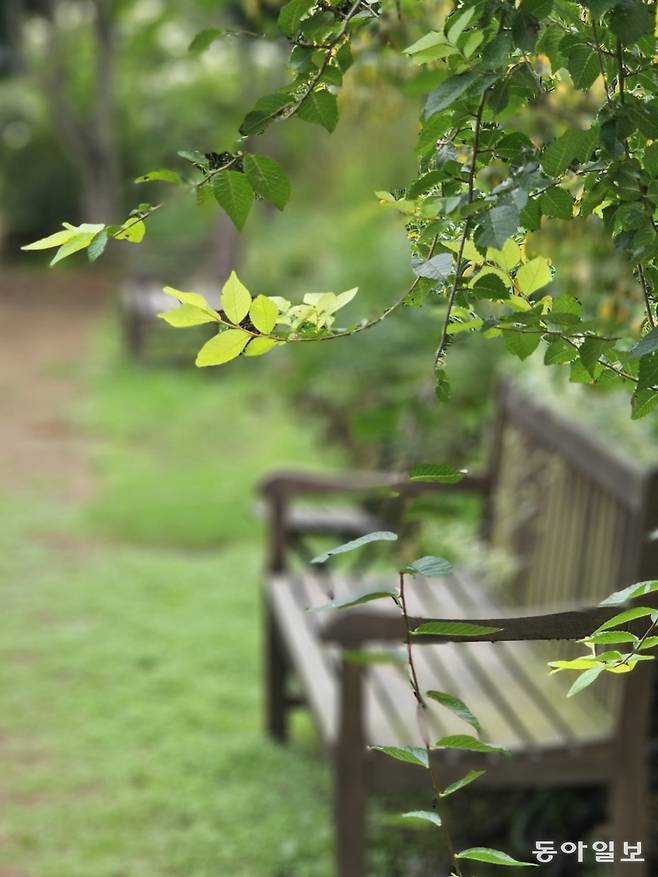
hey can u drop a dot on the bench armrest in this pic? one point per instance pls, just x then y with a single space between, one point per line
284 484
353 627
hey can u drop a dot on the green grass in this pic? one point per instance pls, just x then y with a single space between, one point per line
130 670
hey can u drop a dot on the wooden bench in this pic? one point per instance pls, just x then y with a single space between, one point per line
580 522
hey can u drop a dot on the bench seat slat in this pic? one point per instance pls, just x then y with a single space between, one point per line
506 685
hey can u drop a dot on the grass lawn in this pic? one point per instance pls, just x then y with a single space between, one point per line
130 688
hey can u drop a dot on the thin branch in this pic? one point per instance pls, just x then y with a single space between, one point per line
422 708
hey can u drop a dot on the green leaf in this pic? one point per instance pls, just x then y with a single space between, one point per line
467 742
583 65
188 315
573 144
610 637
457 706
559 352
586 679
533 275
454 628
409 754
203 40
521 344
259 346
320 108
358 598
263 314
423 816
496 226
626 617
235 299
223 347
630 20
430 567
648 372
490 286
233 192
557 202
642 402
292 13
429 41
163 175
470 777
436 473
445 94
267 178
648 344
370 657
378 536
97 246
590 352
493 857
266 109
639 589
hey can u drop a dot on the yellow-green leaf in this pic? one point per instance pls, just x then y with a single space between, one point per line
188 315
61 237
191 298
236 299
133 230
264 314
223 347
508 257
259 346
533 275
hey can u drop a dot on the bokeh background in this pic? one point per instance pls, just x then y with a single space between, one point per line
131 739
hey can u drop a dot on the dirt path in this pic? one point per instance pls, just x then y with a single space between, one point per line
46 323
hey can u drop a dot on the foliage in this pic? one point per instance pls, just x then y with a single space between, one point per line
482 187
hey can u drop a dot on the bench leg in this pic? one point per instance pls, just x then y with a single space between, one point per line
350 794
630 801
276 675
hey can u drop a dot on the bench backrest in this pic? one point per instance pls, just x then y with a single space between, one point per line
573 513
576 516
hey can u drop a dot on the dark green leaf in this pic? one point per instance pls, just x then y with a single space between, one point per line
648 344
204 39
648 372
585 679
266 109
467 742
454 628
356 599
450 90
267 178
436 473
292 13
378 536
591 351
583 65
409 754
97 245
457 706
320 108
233 192
491 287
556 202
470 777
630 20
